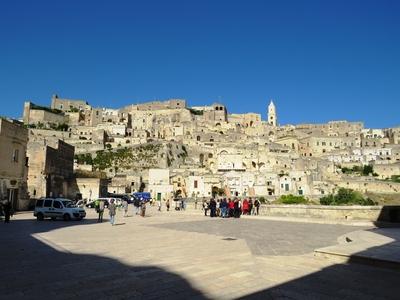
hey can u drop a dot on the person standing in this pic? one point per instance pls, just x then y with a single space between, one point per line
143 208
112 210
125 204
251 207
213 208
231 208
167 204
7 212
245 207
100 211
257 206
205 207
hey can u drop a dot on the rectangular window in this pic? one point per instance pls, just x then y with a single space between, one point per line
286 187
39 203
195 184
15 155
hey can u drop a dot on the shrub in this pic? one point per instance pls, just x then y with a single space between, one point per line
346 197
292 199
262 200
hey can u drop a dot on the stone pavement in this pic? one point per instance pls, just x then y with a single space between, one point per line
378 246
176 255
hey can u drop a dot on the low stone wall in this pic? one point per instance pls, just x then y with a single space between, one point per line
331 213
365 213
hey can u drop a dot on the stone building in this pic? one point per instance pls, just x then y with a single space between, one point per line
159 184
67 105
13 167
50 168
206 149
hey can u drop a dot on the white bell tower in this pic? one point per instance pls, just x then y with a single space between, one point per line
272 118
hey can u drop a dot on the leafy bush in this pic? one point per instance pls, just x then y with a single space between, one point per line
395 178
365 170
346 197
262 200
292 199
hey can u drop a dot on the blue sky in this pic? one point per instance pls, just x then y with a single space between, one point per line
319 60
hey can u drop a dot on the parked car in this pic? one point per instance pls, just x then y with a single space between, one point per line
120 197
92 203
57 208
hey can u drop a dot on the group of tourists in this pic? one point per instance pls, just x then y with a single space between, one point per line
231 208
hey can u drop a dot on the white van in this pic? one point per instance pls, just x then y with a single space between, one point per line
57 208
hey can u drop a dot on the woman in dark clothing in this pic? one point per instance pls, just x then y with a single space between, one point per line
213 208
250 207
231 208
236 212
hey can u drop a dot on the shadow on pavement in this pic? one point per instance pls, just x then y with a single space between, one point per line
350 280
31 269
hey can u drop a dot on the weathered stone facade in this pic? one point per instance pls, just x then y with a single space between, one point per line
205 148
13 170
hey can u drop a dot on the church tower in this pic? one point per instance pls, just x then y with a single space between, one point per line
272 119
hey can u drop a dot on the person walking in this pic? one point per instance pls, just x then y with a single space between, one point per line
125 205
100 210
112 210
167 204
136 205
159 205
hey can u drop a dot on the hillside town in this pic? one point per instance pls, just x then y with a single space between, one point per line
72 149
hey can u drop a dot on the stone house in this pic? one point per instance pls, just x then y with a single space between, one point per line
50 168
13 170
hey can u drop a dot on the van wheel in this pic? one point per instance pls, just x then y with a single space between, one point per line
40 217
66 217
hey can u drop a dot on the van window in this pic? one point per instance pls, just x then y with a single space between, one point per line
47 203
57 204
39 203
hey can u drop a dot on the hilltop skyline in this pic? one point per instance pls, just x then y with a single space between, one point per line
318 61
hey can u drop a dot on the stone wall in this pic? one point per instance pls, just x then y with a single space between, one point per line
328 213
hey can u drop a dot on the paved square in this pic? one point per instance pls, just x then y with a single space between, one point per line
178 255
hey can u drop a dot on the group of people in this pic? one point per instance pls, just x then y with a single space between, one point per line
139 208
228 208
